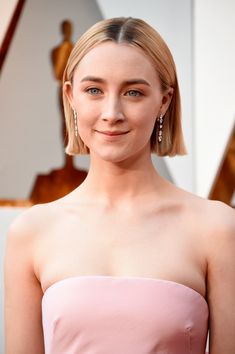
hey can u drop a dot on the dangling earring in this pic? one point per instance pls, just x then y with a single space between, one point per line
160 121
75 116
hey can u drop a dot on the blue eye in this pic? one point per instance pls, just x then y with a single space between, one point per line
134 93
93 91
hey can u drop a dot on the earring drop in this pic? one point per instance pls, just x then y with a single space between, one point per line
160 121
75 116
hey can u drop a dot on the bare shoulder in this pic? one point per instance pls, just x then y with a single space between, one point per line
36 217
29 226
30 220
219 240
24 237
222 217
211 222
216 217
218 223
22 288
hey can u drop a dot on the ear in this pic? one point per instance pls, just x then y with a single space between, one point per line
68 91
166 100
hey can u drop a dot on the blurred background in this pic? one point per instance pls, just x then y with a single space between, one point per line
36 38
200 35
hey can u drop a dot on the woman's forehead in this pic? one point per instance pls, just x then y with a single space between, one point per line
110 58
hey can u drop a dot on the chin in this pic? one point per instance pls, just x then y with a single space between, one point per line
113 155
119 154
117 157
113 158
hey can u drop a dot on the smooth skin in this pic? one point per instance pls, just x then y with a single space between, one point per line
124 219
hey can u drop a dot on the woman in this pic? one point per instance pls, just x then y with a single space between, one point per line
127 262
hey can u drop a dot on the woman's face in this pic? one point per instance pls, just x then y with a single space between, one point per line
117 95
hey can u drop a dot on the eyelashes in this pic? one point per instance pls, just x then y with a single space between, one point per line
94 91
134 93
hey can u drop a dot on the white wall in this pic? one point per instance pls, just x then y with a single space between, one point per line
6 11
214 73
30 131
173 20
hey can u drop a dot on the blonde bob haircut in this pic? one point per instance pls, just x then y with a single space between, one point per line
137 33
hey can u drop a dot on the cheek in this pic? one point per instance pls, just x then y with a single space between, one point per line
86 112
146 111
145 126
145 119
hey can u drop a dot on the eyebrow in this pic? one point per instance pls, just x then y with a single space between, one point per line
127 82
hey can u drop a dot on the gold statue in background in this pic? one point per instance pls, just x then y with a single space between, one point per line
59 182
59 57
61 53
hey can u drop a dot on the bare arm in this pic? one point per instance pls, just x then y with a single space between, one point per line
23 324
221 281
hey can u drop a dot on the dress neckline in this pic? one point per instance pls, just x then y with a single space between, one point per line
125 278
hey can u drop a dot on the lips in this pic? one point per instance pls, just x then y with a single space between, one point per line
112 133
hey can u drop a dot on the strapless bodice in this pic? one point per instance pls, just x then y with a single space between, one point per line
123 315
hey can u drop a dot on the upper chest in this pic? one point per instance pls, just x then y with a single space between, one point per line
138 244
94 231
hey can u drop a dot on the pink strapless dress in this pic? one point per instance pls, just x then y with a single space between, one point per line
100 314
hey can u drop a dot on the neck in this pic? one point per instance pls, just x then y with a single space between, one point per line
126 182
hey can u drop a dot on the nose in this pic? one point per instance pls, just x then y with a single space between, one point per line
112 109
